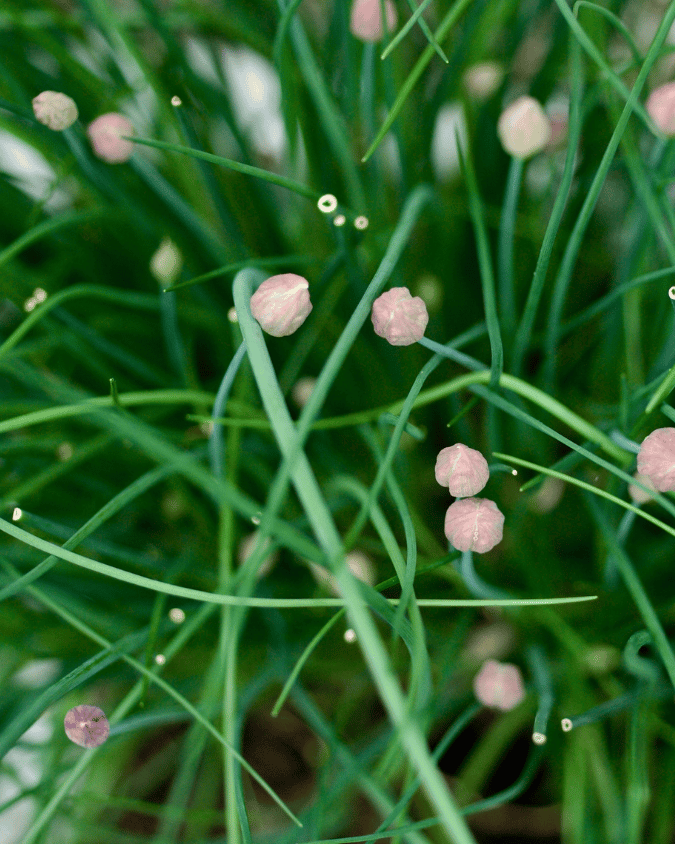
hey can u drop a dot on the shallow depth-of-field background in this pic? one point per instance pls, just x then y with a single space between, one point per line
550 275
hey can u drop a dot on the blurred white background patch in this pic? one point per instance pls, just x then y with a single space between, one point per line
256 96
30 172
444 155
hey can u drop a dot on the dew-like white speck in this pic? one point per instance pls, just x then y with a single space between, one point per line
327 203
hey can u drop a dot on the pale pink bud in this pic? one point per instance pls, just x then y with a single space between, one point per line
105 134
303 389
399 317
357 562
523 128
656 458
483 79
86 725
474 524
365 22
246 548
462 469
55 110
499 684
281 304
638 496
661 108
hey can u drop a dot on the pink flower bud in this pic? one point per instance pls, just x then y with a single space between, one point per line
281 304
86 725
523 128
358 563
399 317
55 110
638 496
105 134
462 469
474 524
366 19
656 458
661 108
499 684
246 548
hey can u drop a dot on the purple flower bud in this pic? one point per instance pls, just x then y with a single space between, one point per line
365 22
86 725
474 524
281 304
656 458
462 469
105 134
499 685
57 111
399 317
523 128
661 108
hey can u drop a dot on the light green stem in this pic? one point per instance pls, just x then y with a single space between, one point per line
328 537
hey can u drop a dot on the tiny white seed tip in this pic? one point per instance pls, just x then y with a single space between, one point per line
339 220
566 725
327 203
16 515
671 292
361 223
538 738
176 100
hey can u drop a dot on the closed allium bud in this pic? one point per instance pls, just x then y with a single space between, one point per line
399 317
483 79
474 524
638 496
365 22
86 725
462 469
105 134
55 110
656 458
358 563
661 108
523 128
499 685
281 304
246 548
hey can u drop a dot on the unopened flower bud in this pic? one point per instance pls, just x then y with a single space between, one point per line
523 128
462 469
474 524
105 134
399 317
661 108
656 458
303 389
638 495
57 111
281 304
86 725
365 22
357 562
246 548
483 79
499 685
166 262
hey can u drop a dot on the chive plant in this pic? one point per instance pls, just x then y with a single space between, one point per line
262 302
